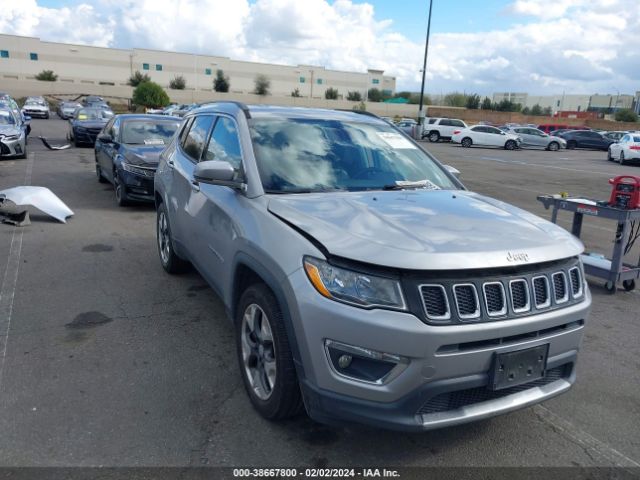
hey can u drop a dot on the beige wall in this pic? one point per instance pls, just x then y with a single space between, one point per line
85 65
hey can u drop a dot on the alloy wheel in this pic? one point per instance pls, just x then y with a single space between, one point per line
258 351
163 238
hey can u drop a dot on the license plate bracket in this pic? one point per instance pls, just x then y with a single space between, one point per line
511 369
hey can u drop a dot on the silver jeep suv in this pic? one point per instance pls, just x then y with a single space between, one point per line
365 283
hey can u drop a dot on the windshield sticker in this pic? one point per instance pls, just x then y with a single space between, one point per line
154 141
82 116
395 140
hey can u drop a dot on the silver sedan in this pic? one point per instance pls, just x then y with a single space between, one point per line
13 137
532 137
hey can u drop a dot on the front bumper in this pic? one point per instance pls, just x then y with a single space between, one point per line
137 187
12 148
36 113
85 135
434 387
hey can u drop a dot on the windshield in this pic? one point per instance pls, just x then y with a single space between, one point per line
320 155
6 118
145 132
34 102
90 114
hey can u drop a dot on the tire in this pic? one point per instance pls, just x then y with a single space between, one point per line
434 137
101 179
510 145
466 142
46 117
120 191
553 146
169 260
611 288
571 144
629 285
609 156
265 348
621 159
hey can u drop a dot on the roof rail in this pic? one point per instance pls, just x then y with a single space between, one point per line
240 105
361 112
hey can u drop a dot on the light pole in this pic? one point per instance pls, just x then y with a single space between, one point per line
424 66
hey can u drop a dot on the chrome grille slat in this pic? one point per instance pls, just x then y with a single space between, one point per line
576 282
435 302
467 302
494 299
560 290
519 290
542 296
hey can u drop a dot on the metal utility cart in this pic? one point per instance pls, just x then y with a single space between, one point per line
612 270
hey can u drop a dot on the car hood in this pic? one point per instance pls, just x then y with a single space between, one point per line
9 130
35 107
425 230
144 155
89 123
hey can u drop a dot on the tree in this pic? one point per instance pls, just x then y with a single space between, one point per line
354 96
150 94
362 107
374 95
526 111
473 101
626 115
486 104
455 99
536 110
221 82
47 76
331 93
547 111
137 78
414 99
178 83
262 85
296 93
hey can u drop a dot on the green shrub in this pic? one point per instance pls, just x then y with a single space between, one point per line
138 78
47 76
150 94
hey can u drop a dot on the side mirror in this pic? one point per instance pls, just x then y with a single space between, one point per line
216 172
105 138
27 119
453 171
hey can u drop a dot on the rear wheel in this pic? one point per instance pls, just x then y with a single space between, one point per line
434 137
554 146
510 145
629 285
265 358
466 142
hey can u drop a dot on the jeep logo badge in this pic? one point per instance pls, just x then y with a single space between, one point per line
517 257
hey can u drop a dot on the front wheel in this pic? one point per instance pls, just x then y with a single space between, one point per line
170 261
554 146
621 159
609 156
120 191
265 358
434 137
510 145
466 142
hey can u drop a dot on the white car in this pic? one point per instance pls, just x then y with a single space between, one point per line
35 108
441 128
627 149
486 135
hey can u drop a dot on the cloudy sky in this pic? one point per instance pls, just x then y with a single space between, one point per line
536 46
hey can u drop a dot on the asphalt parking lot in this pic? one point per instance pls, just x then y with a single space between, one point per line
106 360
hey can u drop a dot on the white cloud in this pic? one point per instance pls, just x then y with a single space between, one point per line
573 45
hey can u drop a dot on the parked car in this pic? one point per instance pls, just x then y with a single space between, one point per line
414 311
181 110
65 109
86 124
586 139
486 135
532 137
35 108
550 127
13 135
615 136
407 125
127 152
441 128
627 149
91 99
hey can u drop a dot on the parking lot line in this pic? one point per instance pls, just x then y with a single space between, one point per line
583 439
10 279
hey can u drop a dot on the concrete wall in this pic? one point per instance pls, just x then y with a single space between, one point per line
87 65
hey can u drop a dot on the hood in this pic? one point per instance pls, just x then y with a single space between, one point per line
35 107
89 123
9 130
145 155
425 230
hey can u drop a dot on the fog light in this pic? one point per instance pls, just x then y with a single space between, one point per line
344 361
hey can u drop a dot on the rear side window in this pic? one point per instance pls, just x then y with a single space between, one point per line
224 144
445 122
480 129
457 123
196 139
432 121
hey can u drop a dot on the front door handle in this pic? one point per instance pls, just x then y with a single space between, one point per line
195 185
170 163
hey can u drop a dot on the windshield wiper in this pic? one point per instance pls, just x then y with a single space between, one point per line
407 184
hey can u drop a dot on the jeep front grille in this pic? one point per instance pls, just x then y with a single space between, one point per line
434 299
467 301
576 282
541 296
494 298
560 287
519 295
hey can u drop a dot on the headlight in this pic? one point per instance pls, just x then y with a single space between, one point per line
354 288
10 137
145 172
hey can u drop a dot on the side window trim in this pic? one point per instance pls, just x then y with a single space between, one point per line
207 136
241 170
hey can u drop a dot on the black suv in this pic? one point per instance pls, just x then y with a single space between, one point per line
586 139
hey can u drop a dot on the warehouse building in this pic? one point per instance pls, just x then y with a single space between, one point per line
569 102
22 58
